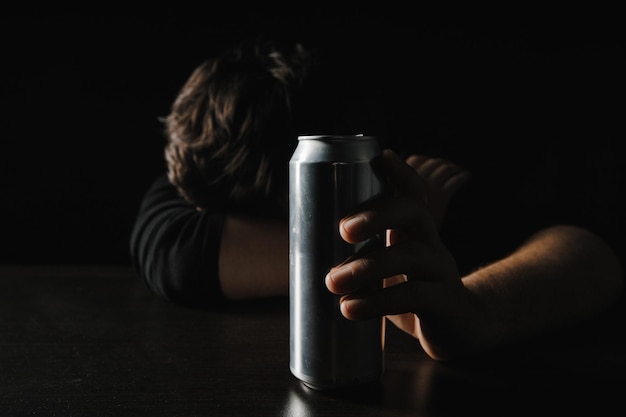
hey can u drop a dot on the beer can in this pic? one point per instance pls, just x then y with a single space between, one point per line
329 176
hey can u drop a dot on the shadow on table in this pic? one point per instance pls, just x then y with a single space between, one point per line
581 370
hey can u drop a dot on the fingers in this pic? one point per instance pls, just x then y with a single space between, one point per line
439 173
405 209
380 215
414 249
442 180
369 270
455 182
416 161
412 296
401 177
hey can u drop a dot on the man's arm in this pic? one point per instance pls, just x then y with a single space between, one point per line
558 277
254 258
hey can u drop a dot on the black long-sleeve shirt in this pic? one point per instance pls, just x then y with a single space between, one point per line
175 247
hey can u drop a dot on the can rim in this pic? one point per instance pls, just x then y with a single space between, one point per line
337 137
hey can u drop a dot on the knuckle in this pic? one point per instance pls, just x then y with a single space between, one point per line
362 265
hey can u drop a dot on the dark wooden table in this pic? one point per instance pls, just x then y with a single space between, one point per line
94 341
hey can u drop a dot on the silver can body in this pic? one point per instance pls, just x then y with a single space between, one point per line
329 176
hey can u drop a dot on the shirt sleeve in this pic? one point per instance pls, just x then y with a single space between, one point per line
175 247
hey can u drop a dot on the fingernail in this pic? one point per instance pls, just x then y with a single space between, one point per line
351 222
349 307
344 307
337 279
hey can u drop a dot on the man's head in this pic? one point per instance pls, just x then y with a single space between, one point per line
235 123
230 128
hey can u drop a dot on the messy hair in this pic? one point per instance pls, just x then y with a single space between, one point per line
230 130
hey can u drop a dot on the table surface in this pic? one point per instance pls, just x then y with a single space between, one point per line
94 341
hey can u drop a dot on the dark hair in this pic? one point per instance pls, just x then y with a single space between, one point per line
235 122
230 131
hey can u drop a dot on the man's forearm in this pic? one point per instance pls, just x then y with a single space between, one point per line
561 275
254 258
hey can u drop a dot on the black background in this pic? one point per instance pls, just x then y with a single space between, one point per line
81 95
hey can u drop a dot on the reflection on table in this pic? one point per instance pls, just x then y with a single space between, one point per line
94 341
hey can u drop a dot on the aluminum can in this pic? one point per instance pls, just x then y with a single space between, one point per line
329 176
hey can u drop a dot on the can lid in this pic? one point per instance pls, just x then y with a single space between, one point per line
336 148
334 137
